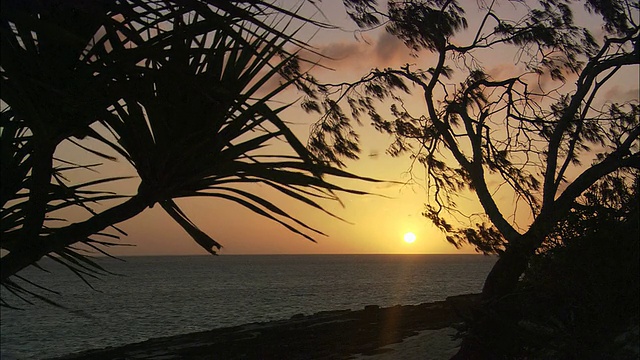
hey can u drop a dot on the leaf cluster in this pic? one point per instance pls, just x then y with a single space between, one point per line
425 24
529 133
578 296
183 91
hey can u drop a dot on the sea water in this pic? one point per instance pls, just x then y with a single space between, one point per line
161 296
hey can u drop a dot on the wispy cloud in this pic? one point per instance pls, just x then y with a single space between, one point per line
621 94
385 50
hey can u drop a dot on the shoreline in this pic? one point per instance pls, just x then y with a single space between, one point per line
339 334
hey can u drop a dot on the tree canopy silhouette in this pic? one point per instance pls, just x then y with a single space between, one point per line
181 90
578 298
540 130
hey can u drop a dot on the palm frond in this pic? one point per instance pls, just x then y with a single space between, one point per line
198 235
181 90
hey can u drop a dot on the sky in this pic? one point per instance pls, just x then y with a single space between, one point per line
373 224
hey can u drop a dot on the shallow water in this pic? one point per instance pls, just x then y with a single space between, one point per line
162 296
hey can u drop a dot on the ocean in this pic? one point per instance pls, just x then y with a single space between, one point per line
169 295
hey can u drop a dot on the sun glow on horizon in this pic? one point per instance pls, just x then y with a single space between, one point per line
409 237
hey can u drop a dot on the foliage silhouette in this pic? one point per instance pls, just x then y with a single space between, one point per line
579 297
540 131
182 90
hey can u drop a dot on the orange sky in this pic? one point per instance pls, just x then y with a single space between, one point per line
377 223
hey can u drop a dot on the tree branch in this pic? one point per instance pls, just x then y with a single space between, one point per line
19 259
594 68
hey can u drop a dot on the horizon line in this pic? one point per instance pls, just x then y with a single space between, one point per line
288 254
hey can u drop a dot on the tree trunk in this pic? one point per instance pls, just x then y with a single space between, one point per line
504 275
501 281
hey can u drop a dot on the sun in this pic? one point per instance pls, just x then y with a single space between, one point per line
409 237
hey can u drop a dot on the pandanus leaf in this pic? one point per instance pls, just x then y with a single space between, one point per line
184 90
198 235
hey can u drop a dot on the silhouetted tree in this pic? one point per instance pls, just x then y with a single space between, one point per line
579 297
540 131
182 90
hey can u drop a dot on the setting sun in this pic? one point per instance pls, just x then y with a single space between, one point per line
409 237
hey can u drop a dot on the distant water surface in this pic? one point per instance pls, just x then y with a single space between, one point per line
162 296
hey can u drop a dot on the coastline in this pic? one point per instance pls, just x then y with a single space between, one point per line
372 333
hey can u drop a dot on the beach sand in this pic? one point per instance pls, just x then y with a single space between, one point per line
426 345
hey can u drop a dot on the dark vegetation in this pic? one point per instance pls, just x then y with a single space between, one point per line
544 135
578 299
542 132
182 91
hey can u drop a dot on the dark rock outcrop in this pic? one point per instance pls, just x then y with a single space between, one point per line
325 335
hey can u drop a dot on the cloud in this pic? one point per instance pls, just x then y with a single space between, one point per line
621 94
351 59
385 50
342 50
389 49
503 70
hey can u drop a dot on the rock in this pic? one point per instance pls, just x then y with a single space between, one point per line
325 335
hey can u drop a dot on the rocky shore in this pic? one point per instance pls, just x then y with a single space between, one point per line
339 334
